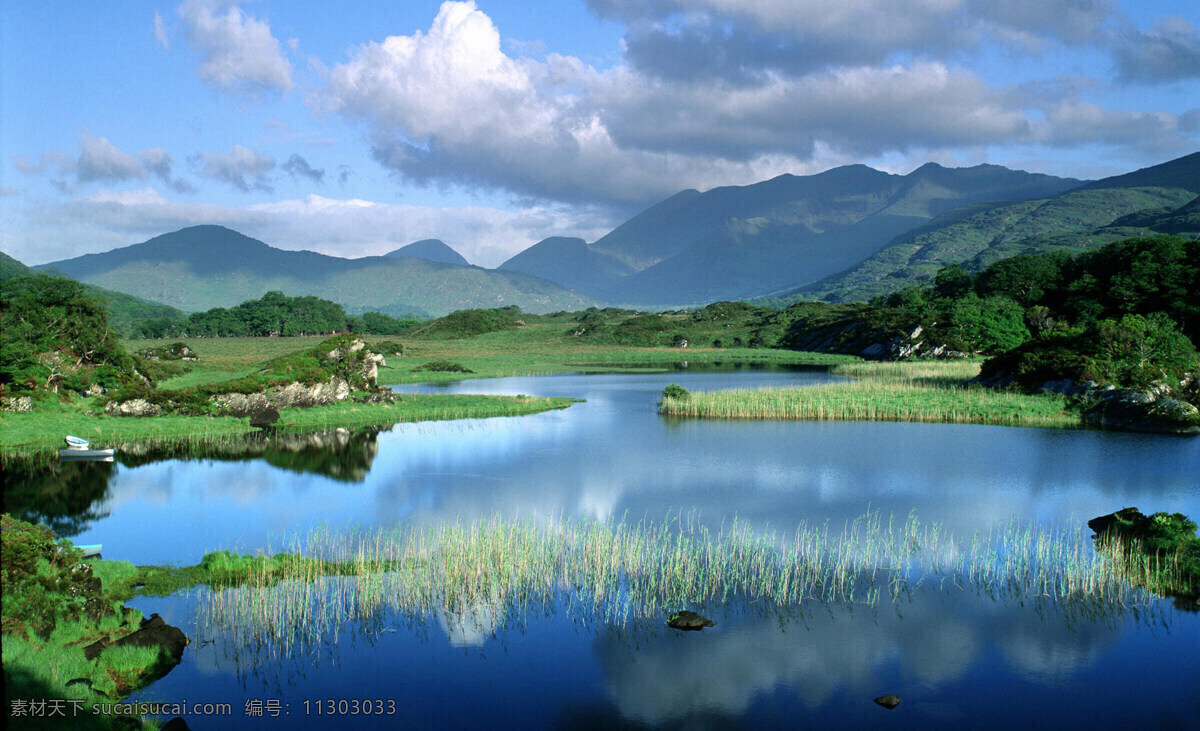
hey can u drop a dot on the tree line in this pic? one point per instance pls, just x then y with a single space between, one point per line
273 315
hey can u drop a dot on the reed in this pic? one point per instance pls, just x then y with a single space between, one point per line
920 392
622 571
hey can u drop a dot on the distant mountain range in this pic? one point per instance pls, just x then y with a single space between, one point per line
846 234
202 267
738 242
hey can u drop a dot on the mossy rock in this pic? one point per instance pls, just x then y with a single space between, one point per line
689 621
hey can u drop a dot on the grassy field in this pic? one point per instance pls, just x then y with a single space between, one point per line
933 391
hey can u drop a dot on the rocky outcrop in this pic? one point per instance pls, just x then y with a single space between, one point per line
1149 410
16 404
873 343
133 407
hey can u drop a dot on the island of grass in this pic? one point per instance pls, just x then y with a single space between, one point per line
926 391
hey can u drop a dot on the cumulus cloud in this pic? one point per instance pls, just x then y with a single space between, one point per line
241 167
1169 51
237 51
298 167
100 161
448 106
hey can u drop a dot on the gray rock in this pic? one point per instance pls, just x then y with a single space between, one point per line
17 404
888 701
133 407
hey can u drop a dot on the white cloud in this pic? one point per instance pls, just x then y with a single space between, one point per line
237 51
100 161
241 167
160 31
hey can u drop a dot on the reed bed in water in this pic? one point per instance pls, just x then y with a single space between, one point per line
631 571
921 392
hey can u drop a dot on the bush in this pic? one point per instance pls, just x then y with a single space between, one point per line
443 366
675 391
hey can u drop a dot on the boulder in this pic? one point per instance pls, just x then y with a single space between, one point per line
888 701
1145 411
689 621
154 632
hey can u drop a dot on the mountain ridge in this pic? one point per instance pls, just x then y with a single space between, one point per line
202 267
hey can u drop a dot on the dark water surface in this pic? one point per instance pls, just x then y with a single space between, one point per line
955 658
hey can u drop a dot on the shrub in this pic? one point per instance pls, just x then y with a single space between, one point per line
675 391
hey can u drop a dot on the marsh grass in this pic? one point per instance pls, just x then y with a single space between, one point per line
623 572
920 392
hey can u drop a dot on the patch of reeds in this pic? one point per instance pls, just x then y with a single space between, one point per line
636 571
921 392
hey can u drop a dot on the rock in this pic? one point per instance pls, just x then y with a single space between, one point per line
689 621
19 404
888 701
94 390
154 632
1146 411
175 724
264 418
872 351
133 407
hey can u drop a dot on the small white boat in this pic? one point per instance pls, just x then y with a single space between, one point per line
76 442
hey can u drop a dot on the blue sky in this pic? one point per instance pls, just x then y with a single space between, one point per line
353 128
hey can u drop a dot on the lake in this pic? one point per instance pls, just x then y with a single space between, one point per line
955 656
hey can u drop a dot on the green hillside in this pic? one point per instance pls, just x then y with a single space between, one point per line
1077 221
125 311
203 267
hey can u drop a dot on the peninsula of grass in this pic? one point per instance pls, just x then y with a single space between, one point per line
43 428
932 391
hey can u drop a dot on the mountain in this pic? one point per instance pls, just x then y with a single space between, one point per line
430 250
124 310
743 241
570 262
1157 199
202 267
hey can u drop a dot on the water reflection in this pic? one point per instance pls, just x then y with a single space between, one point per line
820 662
65 495
69 496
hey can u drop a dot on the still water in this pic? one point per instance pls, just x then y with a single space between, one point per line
955 658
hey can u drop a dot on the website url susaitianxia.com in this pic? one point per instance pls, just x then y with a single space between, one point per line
60 708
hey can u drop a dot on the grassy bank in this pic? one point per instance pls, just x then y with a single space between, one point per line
935 391
44 427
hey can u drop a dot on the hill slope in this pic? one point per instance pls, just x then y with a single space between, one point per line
1158 199
202 267
431 250
124 310
742 241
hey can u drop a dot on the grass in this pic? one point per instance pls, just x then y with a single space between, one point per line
43 429
935 391
643 571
